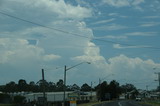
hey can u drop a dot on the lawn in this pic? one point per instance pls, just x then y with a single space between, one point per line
154 103
91 103
6 105
88 104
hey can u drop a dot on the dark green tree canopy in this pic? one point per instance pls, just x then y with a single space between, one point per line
113 88
85 87
22 85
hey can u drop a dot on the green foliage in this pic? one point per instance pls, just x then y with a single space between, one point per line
113 90
152 102
75 87
19 99
7 105
102 90
2 87
60 85
4 98
158 89
128 88
10 87
85 87
36 87
22 85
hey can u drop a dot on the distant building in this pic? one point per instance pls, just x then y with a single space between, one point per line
58 96
148 94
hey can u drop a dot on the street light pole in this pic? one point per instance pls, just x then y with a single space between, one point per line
91 90
65 70
64 86
147 88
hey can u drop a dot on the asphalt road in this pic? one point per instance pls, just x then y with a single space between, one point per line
122 103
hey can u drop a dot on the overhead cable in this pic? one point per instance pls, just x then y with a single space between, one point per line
74 34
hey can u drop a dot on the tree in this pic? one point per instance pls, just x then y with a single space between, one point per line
5 98
114 89
22 85
51 86
32 87
101 91
19 99
108 91
11 87
158 89
2 88
60 85
85 87
75 87
41 84
129 88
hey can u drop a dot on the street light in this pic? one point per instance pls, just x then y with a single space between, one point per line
66 69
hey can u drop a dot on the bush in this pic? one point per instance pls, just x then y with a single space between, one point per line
4 98
19 99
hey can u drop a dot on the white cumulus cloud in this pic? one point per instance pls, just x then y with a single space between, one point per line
18 51
56 7
123 3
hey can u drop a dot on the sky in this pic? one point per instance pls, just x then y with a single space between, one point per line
120 38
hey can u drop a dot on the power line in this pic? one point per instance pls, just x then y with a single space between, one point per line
74 34
34 23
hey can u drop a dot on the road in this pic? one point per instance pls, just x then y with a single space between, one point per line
122 103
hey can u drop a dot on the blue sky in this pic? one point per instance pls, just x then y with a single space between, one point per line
119 37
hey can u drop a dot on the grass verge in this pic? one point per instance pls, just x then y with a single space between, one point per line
7 105
153 103
91 103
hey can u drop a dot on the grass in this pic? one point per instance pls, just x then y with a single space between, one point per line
154 103
6 105
88 104
91 103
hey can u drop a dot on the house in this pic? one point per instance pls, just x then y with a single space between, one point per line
148 94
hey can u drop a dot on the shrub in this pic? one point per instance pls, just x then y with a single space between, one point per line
4 98
19 99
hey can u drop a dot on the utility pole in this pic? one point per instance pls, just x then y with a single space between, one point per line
147 87
64 86
158 80
91 90
44 95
